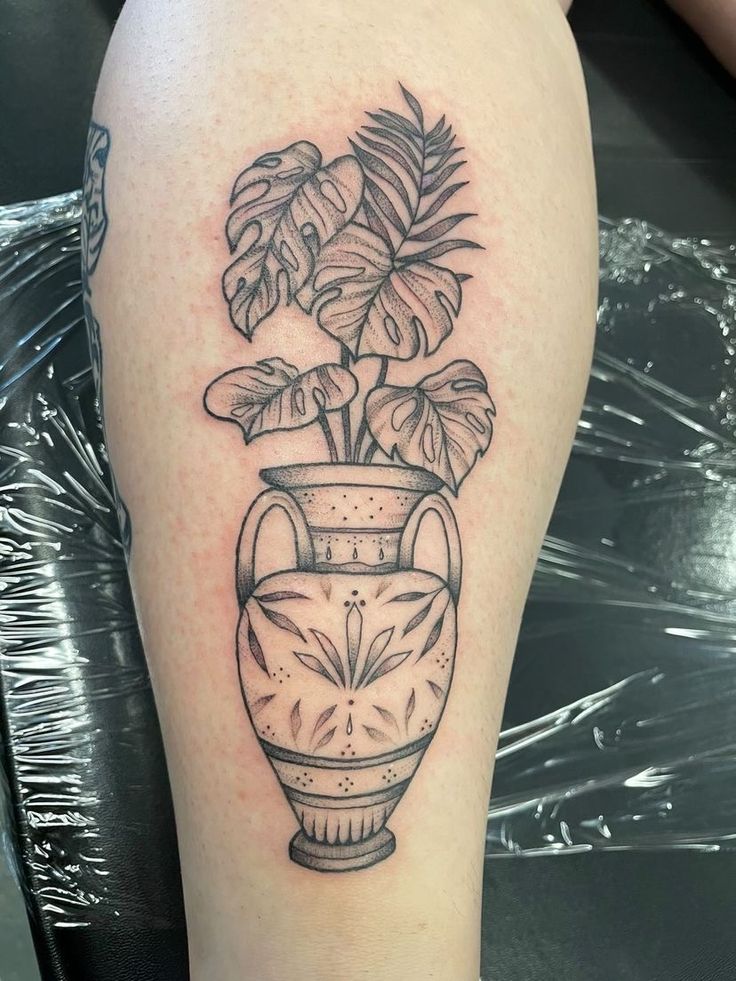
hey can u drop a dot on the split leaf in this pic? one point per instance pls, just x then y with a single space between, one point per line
374 287
442 424
285 207
272 395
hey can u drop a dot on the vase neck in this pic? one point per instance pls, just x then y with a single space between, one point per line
355 528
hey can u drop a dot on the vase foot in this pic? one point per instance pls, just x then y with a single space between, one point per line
323 857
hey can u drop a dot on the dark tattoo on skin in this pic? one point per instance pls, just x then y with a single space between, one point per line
345 661
93 232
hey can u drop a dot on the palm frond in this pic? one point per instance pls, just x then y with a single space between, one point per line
435 205
436 250
439 228
407 169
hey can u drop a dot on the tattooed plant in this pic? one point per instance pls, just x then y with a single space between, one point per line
355 243
346 651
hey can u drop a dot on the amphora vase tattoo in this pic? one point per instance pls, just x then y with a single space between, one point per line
346 657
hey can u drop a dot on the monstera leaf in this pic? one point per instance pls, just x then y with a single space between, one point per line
273 395
286 206
376 287
374 305
442 424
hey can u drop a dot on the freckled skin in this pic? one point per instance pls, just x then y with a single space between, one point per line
192 93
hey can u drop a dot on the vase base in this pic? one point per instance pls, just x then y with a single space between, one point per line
323 857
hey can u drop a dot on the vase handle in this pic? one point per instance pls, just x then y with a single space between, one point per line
246 551
438 504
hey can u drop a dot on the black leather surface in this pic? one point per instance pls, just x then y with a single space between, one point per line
616 916
83 753
665 147
663 117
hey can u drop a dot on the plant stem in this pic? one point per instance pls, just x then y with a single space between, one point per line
363 429
370 452
345 362
329 438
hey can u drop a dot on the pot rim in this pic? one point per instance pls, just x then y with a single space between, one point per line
302 475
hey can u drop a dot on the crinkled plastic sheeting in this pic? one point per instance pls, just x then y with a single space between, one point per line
620 723
636 583
81 742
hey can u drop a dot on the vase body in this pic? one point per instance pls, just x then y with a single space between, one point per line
346 661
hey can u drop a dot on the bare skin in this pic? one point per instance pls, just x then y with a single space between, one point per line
192 93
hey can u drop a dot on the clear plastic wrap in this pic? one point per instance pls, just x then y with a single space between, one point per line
82 747
636 583
620 721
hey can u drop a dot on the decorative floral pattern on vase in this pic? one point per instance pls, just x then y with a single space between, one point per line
346 657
